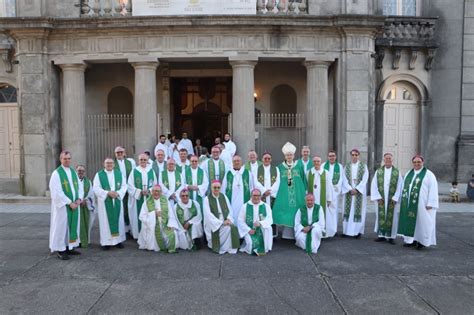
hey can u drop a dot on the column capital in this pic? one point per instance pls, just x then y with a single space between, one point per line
73 66
243 62
152 65
308 63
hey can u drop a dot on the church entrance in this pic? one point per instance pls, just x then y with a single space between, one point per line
201 107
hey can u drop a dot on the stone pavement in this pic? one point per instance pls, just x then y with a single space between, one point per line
347 276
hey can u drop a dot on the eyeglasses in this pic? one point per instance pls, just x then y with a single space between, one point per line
192 161
184 195
216 187
143 159
267 158
355 154
255 195
119 152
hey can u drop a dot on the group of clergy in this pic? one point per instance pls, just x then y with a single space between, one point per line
169 204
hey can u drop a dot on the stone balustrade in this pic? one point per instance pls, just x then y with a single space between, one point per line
106 8
282 6
408 31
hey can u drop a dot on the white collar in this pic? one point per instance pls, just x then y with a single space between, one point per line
185 205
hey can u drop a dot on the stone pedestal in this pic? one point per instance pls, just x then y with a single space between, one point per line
73 112
145 108
243 106
317 111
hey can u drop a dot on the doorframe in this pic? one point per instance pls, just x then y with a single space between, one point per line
13 105
423 103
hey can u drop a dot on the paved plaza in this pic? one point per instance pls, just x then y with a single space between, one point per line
347 276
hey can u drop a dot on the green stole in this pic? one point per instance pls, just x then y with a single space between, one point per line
189 181
409 204
177 179
322 191
358 196
72 215
85 216
309 166
304 223
234 233
261 177
336 173
150 204
212 171
386 219
128 170
258 244
180 168
156 169
245 182
248 167
180 217
138 181
112 206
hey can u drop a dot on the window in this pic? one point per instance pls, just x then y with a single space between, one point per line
120 101
7 94
401 7
7 8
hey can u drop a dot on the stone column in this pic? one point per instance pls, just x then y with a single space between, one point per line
317 107
243 106
144 109
73 111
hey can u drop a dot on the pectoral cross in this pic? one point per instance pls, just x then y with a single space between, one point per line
315 186
65 183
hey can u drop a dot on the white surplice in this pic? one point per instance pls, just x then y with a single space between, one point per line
213 224
59 229
265 225
237 190
350 227
184 239
336 204
202 189
267 183
316 231
164 148
330 213
171 189
425 228
375 196
106 238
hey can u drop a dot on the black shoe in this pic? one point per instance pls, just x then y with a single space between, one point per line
391 241
105 247
379 239
72 252
409 245
419 246
358 236
62 255
119 245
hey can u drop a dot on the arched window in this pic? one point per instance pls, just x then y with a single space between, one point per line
7 94
120 101
283 100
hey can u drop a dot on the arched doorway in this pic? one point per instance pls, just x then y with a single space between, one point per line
120 101
9 132
283 100
401 123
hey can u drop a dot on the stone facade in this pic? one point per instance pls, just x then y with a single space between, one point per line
340 58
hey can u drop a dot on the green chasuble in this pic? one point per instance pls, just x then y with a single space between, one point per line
156 169
85 216
189 181
305 223
386 218
234 233
258 244
112 206
162 221
291 194
245 183
358 197
128 170
138 182
409 203
211 170
73 195
322 191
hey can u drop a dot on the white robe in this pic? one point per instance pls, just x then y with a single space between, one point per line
316 231
202 189
267 183
182 165
265 223
184 238
253 168
59 229
172 178
133 195
227 158
213 224
350 227
425 228
375 196
147 237
164 147
231 147
205 167
123 169
331 213
336 204
186 144
90 204
106 238
237 189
